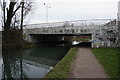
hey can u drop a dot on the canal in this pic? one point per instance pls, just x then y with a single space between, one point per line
30 63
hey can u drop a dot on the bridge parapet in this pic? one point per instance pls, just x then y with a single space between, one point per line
59 30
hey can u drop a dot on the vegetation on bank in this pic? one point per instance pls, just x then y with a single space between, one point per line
108 57
15 40
80 38
62 68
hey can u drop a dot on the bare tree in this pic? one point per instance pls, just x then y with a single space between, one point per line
14 11
13 8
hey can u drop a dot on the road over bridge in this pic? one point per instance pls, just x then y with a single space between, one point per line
101 31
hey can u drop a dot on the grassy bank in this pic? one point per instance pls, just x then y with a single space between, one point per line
61 70
108 57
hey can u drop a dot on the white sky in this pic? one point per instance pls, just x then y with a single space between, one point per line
65 10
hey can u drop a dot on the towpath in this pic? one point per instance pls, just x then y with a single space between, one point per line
86 65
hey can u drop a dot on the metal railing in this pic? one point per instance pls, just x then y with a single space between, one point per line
92 22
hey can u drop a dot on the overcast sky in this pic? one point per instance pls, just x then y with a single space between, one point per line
65 10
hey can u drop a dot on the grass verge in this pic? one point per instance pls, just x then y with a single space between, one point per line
108 57
62 68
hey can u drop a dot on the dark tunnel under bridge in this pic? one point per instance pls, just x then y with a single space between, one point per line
53 38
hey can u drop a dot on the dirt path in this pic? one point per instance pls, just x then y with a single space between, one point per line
86 65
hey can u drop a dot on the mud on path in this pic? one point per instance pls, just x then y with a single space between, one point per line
86 65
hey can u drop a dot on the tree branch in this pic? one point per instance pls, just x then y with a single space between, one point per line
16 10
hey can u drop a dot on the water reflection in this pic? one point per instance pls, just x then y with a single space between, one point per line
30 63
1 55
1 62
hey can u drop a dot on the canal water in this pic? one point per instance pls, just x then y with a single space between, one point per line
30 63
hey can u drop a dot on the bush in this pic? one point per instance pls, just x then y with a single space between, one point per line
12 36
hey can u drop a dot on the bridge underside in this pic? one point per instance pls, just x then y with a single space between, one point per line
60 34
45 38
54 38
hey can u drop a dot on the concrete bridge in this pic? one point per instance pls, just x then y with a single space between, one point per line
102 31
